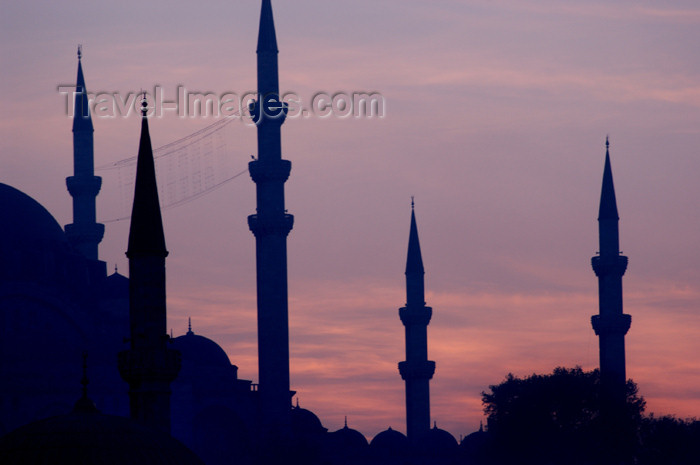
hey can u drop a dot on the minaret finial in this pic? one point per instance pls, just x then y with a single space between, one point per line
413 203
144 105
80 51
607 141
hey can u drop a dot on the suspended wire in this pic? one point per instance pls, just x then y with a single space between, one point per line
203 136
163 151
187 199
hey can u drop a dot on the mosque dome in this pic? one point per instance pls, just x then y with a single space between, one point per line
200 352
439 439
305 421
347 439
86 436
28 221
34 246
389 441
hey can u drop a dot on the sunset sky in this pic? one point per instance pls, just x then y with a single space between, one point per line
496 117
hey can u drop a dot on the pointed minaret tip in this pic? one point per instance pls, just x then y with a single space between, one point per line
608 203
414 261
267 38
82 121
146 235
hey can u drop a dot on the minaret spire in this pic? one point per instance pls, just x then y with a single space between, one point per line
417 370
611 324
271 225
149 366
84 233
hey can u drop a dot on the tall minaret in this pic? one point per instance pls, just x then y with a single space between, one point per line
417 370
85 233
611 324
149 366
271 225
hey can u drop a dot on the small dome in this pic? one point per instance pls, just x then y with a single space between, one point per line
306 422
200 352
348 440
390 441
86 436
440 441
115 286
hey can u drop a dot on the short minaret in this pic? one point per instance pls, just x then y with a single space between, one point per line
85 233
611 324
417 370
149 366
271 225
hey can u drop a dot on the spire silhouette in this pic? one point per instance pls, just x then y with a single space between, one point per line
608 204
611 324
416 370
82 121
146 235
414 260
84 233
267 38
149 366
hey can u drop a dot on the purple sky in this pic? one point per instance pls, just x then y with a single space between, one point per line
496 118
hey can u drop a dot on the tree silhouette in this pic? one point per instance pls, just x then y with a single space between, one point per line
555 419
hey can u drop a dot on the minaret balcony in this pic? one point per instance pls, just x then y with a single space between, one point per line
271 226
269 170
611 324
79 186
609 266
417 370
415 316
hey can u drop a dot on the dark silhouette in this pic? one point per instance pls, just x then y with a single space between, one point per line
58 301
149 366
611 324
271 225
556 418
84 233
417 370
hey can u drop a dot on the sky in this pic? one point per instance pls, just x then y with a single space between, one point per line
495 120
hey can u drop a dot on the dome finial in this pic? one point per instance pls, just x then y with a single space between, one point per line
84 404
297 401
435 424
189 326
481 426
116 268
346 421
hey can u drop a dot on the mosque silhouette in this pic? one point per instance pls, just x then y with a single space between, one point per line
185 402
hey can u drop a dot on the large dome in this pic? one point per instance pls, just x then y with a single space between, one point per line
33 245
26 221
89 437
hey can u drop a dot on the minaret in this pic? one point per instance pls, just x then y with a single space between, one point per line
611 324
271 225
85 233
149 366
417 370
